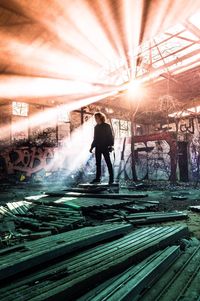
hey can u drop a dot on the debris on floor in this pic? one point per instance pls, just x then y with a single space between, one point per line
162 276
179 197
95 245
195 208
34 253
73 275
133 281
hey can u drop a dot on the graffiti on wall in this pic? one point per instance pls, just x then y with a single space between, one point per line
187 126
27 160
194 152
195 160
122 162
152 160
156 158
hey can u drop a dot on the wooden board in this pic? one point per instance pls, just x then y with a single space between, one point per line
100 195
100 185
70 278
48 248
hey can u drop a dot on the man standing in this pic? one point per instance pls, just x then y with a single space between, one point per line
103 143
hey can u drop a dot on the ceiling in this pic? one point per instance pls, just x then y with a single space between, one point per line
78 52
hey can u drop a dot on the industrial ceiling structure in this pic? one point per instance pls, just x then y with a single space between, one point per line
78 52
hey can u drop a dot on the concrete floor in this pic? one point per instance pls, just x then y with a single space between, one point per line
168 204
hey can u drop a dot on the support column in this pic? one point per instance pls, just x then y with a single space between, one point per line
133 146
173 157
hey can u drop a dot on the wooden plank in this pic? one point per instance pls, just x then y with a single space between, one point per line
99 185
195 208
134 280
84 203
100 195
48 248
87 189
70 278
80 203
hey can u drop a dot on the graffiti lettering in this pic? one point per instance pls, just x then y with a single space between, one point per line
28 160
184 128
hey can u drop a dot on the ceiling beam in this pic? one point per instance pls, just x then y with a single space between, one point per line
182 38
186 56
10 9
165 40
192 28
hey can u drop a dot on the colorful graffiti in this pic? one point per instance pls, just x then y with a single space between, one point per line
27 160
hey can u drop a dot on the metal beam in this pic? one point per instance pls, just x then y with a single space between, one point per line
192 28
12 10
183 38
186 56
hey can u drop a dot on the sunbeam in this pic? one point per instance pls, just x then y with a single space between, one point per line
50 113
73 43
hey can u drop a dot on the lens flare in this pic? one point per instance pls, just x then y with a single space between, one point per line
134 89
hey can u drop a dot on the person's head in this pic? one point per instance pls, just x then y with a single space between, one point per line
99 117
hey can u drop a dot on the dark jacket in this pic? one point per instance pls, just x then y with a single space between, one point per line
103 136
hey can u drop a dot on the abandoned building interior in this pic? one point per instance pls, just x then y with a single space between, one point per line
69 230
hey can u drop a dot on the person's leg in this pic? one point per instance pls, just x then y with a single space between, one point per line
106 155
98 155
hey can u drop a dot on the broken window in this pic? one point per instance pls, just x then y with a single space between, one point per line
176 49
20 108
121 128
63 113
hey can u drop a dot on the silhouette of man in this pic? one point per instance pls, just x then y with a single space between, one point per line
103 143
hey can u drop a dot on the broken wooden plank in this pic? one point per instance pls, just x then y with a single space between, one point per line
179 197
155 217
134 280
84 203
86 189
81 203
45 249
180 281
71 278
195 208
101 185
99 195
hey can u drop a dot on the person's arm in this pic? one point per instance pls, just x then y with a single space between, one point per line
94 140
110 136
